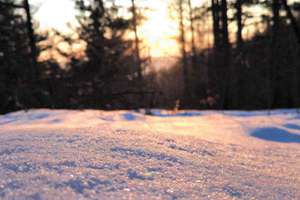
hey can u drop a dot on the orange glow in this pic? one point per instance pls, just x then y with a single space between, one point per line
159 30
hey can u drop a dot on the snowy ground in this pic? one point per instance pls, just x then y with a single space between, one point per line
126 155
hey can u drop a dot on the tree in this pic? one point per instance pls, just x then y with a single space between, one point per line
222 52
273 67
182 41
215 11
292 19
192 30
239 14
136 40
296 70
140 62
32 39
109 72
15 82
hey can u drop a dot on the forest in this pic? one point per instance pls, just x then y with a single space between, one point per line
234 54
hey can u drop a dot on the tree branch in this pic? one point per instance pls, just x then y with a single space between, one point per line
11 5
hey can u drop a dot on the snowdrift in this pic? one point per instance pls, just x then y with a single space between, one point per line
92 154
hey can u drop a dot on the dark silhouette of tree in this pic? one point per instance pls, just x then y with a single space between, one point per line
292 19
110 70
16 82
136 40
32 39
192 30
296 70
182 42
215 10
239 22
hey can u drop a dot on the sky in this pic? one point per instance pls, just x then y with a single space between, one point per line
54 13
158 31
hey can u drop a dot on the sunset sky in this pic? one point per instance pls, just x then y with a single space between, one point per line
158 31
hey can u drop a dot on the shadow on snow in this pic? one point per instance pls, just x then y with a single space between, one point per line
275 135
158 113
292 126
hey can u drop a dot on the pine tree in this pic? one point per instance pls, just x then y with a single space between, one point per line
109 71
14 71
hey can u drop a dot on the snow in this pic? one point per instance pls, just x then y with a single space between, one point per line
92 154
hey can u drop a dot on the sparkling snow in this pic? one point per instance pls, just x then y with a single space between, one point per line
60 154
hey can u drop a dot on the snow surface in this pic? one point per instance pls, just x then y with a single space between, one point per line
89 154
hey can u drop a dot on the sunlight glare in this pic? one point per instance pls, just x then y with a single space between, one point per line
158 31
50 15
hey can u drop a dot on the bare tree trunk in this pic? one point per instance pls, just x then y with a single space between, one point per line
138 54
225 36
192 29
272 71
215 10
32 40
227 68
137 41
183 49
239 14
297 34
222 49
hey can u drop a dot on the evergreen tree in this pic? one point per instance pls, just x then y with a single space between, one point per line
109 72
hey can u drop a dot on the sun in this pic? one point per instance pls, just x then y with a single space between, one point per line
159 31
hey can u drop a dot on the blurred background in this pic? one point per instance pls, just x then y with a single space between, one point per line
131 54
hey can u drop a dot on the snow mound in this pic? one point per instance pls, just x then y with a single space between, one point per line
91 154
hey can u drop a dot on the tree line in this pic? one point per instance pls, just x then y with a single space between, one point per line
219 67
251 59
